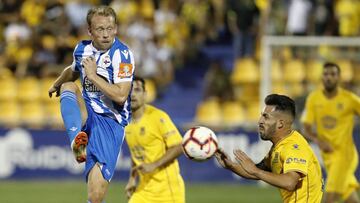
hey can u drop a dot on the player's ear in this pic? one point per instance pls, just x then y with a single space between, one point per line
89 31
145 95
280 124
116 29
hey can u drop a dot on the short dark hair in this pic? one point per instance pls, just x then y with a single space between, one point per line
101 11
138 78
330 64
281 103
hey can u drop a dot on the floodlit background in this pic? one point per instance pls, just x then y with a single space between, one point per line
206 62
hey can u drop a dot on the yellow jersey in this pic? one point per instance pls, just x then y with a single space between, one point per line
334 121
148 139
293 153
347 12
333 118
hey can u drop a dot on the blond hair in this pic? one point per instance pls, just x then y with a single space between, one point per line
101 11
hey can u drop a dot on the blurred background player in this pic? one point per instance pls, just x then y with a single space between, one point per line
154 144
290 165
95 119
331 110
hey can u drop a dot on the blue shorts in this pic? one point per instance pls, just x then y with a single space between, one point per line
106 136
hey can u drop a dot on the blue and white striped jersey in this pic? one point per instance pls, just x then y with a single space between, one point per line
114 65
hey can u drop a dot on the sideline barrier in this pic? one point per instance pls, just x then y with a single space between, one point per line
45 154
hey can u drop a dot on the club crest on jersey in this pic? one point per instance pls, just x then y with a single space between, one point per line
340 106
106 61
125 70
296 146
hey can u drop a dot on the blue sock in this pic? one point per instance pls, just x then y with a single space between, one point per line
70 111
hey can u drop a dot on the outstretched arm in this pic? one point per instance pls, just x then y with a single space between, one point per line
310 135
171 154
287 181
66 75
131 184
227 163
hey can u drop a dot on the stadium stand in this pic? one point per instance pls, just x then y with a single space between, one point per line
276 71
32 114
245 71
294 71
151 91
28 89
9 88
209 113
36 41
233 114
313 70
9 114
347 72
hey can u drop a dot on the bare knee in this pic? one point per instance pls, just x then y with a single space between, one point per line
96 196
97 185
69 86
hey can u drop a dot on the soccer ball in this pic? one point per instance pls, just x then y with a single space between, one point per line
199 143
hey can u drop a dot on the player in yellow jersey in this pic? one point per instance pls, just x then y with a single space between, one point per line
290 165
154 144
331 110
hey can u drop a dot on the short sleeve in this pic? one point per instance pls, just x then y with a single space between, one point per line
296 158
75 65
356 103
308 115
169 131
123 66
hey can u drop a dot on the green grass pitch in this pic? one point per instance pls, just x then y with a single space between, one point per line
75 192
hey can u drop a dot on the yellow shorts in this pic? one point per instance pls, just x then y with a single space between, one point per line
160 193
340 169
138 198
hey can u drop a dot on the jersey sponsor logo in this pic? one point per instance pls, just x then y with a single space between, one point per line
276 158
125 70
138 152
295 160
18 151
125 53
340 106
89 86
328 122
318 106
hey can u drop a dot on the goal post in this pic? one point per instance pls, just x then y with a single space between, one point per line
269 42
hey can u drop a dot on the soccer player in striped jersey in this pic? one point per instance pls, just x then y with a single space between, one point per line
95 117
154 144
290 165
331 110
